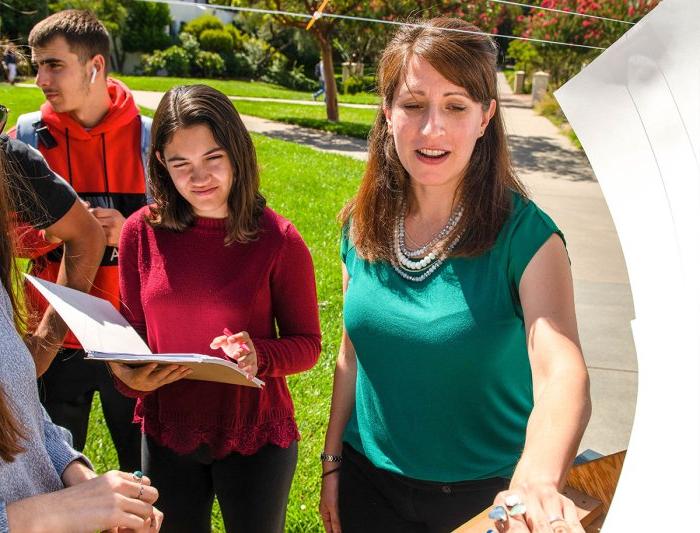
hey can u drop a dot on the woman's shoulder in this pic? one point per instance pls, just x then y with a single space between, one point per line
524 211
278 229
274 224
528 227
137 223
137 219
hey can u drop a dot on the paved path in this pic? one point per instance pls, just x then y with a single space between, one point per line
563 184
320 140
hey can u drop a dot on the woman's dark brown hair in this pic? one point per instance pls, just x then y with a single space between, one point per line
465 57
11 434
192 105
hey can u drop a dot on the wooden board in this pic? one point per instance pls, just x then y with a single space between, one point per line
598 477
591 486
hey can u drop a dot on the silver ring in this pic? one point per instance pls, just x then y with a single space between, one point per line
555 518
498 514
513 499
518 509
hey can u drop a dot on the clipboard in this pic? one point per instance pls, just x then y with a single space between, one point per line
106 336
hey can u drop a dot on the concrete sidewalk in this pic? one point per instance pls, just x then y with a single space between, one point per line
563 184
320 140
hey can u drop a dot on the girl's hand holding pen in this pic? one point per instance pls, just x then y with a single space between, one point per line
240 348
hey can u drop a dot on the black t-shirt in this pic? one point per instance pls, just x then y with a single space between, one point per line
41 196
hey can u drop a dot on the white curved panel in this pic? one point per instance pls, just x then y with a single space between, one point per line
636 110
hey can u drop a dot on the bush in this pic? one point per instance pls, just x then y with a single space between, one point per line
352 85
216 41
184 60
235 34
293 78
189 43
153 64
356 84
144 30
237 65
525 55
200 24
259 54
209 64
175 60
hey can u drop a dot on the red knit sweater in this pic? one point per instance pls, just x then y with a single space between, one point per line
180 290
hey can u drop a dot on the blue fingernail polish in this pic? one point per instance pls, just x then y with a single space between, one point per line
498 514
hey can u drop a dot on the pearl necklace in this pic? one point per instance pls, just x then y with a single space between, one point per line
403 262
439 236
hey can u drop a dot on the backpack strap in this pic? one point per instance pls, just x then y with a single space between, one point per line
27 125
146 123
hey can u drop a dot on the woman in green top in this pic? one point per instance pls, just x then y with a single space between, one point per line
460 379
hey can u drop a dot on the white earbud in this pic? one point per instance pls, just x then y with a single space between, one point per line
94 75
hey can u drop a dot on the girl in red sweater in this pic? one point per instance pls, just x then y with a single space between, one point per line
209 269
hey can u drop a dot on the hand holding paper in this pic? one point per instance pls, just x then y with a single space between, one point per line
149 377
107 336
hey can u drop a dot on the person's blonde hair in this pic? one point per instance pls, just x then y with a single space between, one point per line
11 434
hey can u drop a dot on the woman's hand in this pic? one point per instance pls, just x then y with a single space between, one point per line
328 507
76 472
240 348
113 501
546 510
149 377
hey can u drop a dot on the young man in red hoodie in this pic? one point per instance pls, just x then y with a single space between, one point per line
90 132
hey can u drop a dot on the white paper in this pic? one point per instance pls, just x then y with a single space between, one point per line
95 322
636 110
106 335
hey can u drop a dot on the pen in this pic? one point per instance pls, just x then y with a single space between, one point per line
228 333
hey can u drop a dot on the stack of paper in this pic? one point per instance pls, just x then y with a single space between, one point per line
106 336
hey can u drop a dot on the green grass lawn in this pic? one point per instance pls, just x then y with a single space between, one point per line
237 88
19 100
353 121
308 188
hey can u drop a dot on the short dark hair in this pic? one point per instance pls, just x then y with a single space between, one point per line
85 34
191 105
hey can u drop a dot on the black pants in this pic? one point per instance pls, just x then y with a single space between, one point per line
252 489
66 390
375 500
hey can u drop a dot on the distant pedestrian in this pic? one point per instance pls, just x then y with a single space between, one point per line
10 60
318 71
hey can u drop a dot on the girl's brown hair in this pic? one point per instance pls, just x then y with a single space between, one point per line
11 434
465 57
191 105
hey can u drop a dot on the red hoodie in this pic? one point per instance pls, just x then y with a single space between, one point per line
103 164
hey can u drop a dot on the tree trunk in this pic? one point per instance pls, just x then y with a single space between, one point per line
329 77
118 55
